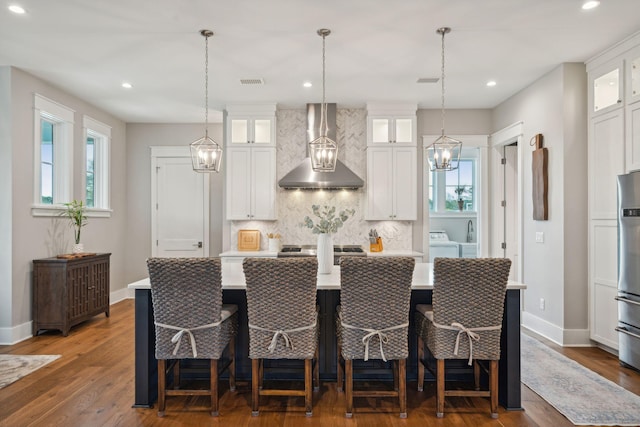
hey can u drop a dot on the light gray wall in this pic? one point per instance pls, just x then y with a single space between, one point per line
575 196
141 136
32 236
6 194
556 270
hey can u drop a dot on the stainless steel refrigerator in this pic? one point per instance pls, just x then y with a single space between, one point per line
629 269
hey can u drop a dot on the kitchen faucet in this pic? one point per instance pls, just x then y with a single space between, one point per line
469 230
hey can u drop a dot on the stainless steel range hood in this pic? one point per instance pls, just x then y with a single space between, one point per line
302 176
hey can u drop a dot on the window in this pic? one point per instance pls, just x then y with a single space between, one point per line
454 191
53 156
96 172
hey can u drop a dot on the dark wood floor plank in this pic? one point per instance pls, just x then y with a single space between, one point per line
92 385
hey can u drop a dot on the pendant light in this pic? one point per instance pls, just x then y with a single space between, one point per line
444 153
323 151
206 154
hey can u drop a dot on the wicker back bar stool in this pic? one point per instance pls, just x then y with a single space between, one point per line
372 321
464 322
283 321
191 323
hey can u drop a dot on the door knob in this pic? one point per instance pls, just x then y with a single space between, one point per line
199 244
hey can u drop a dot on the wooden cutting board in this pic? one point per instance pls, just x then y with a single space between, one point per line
539 168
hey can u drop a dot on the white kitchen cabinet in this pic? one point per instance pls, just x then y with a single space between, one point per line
606 162
251 124
251 183
391 124
606 87
632 63
392 130
468 250
392 183
632 137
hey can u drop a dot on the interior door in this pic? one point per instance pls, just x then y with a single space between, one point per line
181 208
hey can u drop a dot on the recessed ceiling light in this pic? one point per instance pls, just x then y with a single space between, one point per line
491 83
127 85
307 84
590 4
17 9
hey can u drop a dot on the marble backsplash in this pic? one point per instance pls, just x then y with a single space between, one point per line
294 205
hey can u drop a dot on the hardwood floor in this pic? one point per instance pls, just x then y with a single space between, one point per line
92 385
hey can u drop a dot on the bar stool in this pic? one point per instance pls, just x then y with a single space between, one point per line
373 321
191 322
283 321
464 322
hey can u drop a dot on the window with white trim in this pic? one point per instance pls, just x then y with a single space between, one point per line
53 155
97 137
454 191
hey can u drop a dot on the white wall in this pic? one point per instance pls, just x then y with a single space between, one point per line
556 270
32 236
140 136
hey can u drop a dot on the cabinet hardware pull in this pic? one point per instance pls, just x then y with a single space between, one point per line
624 331
623 299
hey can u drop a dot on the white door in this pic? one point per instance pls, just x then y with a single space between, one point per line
180 208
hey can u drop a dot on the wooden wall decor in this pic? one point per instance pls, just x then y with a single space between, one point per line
540 179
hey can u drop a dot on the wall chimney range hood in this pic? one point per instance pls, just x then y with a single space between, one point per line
303 177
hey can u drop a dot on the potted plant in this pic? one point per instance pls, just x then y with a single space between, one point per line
460 190
76 212
328 222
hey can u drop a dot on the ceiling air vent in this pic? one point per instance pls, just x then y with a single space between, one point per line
251 81
428 80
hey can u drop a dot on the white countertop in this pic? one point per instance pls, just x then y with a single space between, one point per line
272 254
233 278
394 252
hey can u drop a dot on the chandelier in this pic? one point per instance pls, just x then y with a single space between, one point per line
206 154
444 152
323 151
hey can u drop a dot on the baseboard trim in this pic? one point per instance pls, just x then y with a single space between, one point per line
560 336
16 334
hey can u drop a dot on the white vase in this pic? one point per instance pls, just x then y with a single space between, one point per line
325 253
274 245
78 248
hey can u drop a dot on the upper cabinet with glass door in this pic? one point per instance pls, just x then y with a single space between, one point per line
251 124
391 124
607 88
633 66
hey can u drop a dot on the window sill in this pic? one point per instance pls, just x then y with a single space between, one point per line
58 210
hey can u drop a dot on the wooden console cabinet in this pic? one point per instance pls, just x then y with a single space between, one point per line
69 291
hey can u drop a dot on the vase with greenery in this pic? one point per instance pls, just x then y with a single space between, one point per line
327 222
76 212
460 190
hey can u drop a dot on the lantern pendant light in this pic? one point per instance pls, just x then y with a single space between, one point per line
444 153
206 154
323 151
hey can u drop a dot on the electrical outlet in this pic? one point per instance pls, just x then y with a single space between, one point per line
541 303
539 237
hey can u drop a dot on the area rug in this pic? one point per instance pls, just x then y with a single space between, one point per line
580 394
13 367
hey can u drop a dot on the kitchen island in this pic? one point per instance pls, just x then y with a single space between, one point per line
233 285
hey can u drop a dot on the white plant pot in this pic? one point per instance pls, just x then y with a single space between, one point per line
325 253
78 248
274 245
